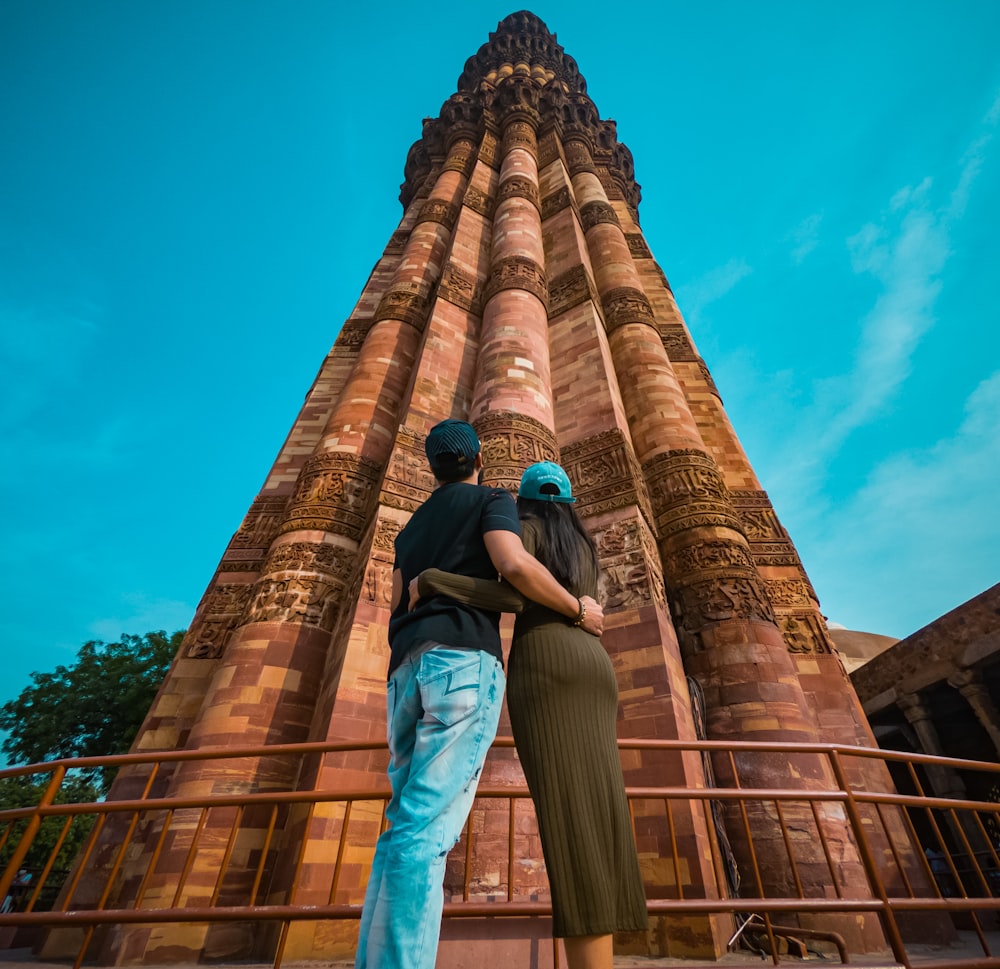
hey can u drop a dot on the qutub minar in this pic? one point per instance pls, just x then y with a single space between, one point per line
519 293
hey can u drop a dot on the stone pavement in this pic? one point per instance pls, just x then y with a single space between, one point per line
967 949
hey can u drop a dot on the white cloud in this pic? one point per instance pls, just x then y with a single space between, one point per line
805 236
906 251
932 514
712 286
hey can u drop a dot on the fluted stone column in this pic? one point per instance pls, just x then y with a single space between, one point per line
512 404
970 684
944 781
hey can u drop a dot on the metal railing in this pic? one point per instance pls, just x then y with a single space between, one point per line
917 853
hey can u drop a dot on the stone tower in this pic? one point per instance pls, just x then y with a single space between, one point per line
517 292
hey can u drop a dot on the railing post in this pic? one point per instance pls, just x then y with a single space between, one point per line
31 829
885 912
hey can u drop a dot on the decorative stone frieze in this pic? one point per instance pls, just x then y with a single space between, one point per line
352 335
518 187
218 615
510 442
408 480
677 343
515 105
488 150
397 242
310 600
459 287
519 134
438 210
790 593
706 375
517 272
611 186
606 475
555 202
626 304
686 490
701 603
261 524
637 245
630 570
804 632
578 157
332 560
334 493
480 202
570 289
549 148
376 586
769 541
594 213
407 306
710 558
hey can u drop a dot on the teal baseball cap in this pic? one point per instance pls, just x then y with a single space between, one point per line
546 481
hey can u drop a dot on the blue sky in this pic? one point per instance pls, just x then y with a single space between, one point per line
193 193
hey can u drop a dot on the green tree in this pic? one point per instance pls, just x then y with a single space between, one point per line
26 791
94 707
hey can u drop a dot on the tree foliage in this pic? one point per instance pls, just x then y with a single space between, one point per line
21 791
94 707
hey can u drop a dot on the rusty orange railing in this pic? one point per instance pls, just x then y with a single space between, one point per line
919 853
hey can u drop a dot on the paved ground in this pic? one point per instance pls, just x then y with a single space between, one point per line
968 949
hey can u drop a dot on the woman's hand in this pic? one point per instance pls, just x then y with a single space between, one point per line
414 592
593 621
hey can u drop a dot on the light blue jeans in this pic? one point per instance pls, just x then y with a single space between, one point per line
443 706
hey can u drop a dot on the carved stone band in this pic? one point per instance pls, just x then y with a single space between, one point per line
606 475
570 289
578 157
511 442
438 210
480 202
459 287
677 343
519 133
556 201
518 187
352 335
335 493
625 304
517 272
548 148
408 478
404 305
687 491
594 213
637 245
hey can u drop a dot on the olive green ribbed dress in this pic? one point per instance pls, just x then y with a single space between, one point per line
563 704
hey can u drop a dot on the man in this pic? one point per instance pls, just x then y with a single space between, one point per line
444 693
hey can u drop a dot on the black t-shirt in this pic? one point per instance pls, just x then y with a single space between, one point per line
446 532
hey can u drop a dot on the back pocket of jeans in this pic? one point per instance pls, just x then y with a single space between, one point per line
450 683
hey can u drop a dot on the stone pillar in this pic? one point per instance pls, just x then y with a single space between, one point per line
945 782
512 404
970 684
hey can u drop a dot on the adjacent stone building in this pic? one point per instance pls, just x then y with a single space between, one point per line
938 692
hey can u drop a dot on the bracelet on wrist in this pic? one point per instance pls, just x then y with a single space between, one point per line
583 614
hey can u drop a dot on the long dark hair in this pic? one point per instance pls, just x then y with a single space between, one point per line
561 550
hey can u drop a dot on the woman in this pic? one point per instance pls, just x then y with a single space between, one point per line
563 704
